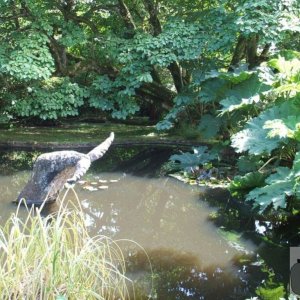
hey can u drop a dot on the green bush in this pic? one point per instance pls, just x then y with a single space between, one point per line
52 99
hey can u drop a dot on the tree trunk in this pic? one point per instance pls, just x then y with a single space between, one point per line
127 18
252 57
174 67
239 52
246 47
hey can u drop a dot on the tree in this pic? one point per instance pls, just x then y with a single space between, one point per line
123 55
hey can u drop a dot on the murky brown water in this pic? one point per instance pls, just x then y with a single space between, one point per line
168 220
155 213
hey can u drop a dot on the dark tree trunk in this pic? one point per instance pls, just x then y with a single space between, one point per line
157 93
175 71
239 52
252 57
174 67
127 18
246 47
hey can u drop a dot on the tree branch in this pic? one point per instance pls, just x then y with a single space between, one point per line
127 18
174 67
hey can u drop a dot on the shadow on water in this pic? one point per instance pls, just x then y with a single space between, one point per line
138 161
237 216
168 274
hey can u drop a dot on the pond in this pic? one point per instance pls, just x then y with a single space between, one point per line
173 250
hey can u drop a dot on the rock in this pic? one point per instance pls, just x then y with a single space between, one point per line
53 170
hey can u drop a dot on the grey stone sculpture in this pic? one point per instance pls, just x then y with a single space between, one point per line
53 170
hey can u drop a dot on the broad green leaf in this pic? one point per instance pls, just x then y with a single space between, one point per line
283 128
247 182
292 88
199 157
243 94
237 76
249 163
255 137
287 67
279 185
213 90
296 165
209 126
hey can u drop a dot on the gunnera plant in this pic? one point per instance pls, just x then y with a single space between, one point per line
54 257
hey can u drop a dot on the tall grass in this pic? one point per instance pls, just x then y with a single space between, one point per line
54 257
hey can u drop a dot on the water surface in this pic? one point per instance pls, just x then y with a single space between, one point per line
165 223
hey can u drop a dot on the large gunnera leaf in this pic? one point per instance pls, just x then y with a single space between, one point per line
256 138
189 160
247 182
209 126
243 94
279 185
285 127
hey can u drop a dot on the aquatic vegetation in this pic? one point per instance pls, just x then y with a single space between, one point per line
54 257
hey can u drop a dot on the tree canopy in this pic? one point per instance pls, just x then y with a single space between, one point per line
122 56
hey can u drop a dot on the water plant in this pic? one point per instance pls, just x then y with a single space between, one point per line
54 257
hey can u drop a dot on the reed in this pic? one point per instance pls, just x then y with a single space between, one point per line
54 257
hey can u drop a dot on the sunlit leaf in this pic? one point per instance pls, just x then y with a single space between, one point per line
279 185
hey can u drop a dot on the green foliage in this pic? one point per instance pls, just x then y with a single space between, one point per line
275 128
278 186
199 157
26 57
286 127
53 99
114 96
267 18
255 137
268 293
181 103
263 107
247 182
72 34
209 126
213 89
245 93
249 163
288 82
271 289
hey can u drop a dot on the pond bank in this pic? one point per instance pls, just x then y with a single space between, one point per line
84 136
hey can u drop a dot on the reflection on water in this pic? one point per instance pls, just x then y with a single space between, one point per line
190 260
174 275
10 187
155 213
